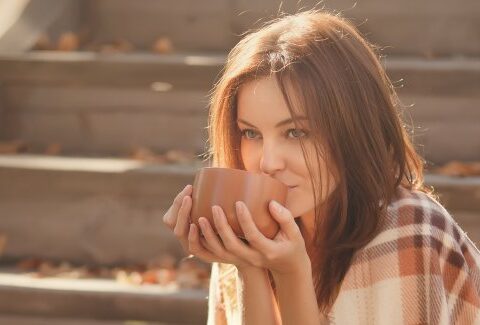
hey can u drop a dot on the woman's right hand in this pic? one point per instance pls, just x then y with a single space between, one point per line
177 218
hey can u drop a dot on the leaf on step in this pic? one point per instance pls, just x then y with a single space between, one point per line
191 273
180 156
68 42
29 264
147 155
3 243
162 45
165 276
165 261
13 146
117 46
47 269
53 149
458 168
43 43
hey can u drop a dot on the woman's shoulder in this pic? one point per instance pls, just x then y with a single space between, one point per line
418 216
420 263
418 236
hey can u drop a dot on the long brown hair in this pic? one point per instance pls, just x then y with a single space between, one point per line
327 70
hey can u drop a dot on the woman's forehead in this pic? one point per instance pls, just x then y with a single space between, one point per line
263 98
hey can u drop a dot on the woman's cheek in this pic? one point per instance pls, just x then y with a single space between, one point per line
249 156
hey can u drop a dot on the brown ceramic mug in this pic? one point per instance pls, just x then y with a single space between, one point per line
224 186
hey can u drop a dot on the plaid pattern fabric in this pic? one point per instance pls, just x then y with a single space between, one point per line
421 268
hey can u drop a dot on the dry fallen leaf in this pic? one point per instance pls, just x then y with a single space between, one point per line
47 269
161 270
429 54
458 168
12 146
166 276
166 261
29 264
43 43
117 46
53 149
162 45
73 273
188 280
3 243
68 42
147 155
135 278
190 274
122 277
180 156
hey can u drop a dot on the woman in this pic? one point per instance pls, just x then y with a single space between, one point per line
305 100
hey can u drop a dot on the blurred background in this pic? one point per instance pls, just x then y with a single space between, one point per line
103 115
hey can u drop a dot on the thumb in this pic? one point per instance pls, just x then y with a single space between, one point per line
285 218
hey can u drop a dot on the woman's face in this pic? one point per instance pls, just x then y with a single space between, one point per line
270 144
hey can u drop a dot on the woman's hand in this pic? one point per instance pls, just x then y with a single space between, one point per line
285 254
177 218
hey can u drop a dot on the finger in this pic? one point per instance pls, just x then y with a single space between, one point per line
230 240
211 238
285 218
196 248
181 228
205 244
252 234
170 218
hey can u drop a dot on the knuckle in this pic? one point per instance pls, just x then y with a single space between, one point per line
178 200
257 262
252 238
226 256
227 242
178 232
184 207
170 225
167 220
271 256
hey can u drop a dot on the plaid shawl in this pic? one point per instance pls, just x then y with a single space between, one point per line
421 268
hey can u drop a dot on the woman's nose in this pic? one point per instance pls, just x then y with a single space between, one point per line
272 160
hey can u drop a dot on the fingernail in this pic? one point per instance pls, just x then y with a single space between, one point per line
239 207
276 206
218 215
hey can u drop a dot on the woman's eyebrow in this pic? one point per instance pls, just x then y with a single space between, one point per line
279 124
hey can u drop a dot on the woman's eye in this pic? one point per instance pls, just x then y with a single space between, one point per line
302 132
297 133
245 132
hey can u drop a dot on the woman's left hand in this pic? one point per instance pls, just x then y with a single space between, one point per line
283 255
